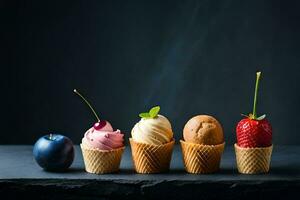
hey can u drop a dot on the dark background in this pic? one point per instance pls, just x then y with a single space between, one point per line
189 57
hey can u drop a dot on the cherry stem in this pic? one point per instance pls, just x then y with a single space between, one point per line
255 94
89 105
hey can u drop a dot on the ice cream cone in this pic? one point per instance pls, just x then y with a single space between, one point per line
201 159
253 160
101 161
151 158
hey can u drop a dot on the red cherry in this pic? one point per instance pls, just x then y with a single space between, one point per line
99 125
252 133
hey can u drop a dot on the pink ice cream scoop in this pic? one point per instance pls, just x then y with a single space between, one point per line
104 138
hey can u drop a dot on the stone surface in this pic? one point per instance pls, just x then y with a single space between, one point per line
20 176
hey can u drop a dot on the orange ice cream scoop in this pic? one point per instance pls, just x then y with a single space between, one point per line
203 129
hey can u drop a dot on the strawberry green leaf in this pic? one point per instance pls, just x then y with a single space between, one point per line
154 111
261 117
144 115
244 115
251 116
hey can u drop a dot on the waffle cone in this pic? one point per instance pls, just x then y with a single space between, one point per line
253 160
101 161
201 159
149 159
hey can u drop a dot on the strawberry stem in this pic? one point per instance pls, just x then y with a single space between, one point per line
89 105
255 94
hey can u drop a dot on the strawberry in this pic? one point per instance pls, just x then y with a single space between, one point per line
254 131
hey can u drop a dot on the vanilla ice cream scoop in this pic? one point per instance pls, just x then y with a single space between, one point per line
154 131
203 129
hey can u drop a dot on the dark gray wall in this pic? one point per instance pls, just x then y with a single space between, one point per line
189 57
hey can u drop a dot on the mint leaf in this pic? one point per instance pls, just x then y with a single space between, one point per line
154 111
261 117
144 115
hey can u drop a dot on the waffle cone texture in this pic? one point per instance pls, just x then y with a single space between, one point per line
253 160
101 161
201 159
148 159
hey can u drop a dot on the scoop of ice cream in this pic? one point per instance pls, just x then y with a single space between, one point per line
104 138
154 131
203 129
